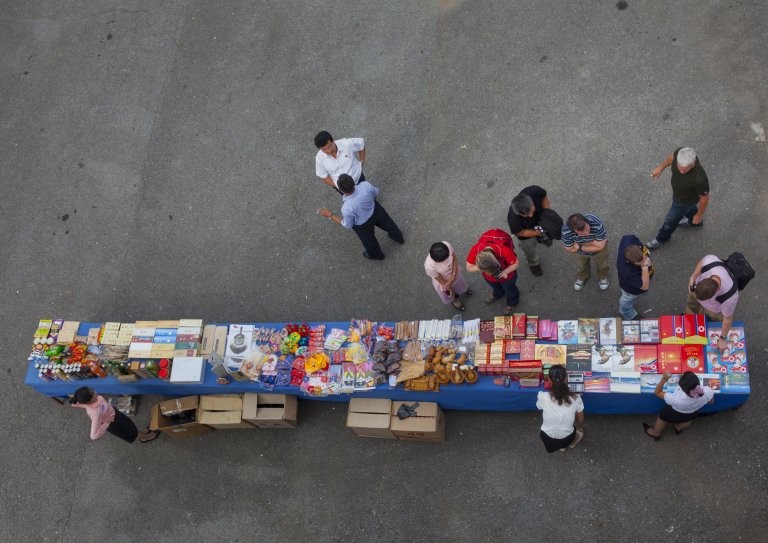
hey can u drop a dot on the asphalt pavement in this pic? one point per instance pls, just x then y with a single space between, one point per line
156 161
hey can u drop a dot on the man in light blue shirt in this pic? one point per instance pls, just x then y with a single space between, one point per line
361 212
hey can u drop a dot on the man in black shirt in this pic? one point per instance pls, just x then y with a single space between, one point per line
690 194
532 221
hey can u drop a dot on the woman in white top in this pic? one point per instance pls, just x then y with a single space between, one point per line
443 267
681 406
561 408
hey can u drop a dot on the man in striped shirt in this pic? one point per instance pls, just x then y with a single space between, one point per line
585 236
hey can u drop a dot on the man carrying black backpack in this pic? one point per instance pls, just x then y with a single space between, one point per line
714 289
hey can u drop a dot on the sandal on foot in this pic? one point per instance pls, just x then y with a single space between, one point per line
468 292
147 435
678 432
647 427
458 304
490 299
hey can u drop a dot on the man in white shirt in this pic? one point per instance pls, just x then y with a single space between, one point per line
345 156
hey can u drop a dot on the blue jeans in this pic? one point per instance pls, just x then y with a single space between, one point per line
508 288
674 215
627 305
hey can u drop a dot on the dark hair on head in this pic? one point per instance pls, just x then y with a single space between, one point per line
560 391
83 395
633 253
322 138
577 221
522 204
346 184
705 289
688 381
439 251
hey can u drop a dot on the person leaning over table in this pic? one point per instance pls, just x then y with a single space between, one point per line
561 408
711 291
494 256
681 406
105 418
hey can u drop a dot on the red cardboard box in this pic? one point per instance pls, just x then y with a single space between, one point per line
671 329
670 358
695 329
693 359
527 349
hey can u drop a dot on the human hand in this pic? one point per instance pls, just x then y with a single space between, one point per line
721 344
696 219
667 375
324 212
656 172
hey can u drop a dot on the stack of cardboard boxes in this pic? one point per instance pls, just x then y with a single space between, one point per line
373 417
197 415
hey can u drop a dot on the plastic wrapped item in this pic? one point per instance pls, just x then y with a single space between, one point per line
316 362
335 379
385 332
315 384
365 376
125 404
335 339
297 371
356 353
348 373
457 327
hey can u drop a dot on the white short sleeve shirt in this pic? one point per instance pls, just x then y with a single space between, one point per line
682 403
558 419
346 160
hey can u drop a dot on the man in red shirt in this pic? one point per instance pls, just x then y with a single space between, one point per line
494 256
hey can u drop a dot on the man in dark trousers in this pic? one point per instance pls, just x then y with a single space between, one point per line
635 271
532 221
361 212
690 194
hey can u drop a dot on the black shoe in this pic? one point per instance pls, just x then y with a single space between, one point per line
468 292
400 241
536 270
369 257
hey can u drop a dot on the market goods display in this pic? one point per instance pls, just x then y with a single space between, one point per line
601 355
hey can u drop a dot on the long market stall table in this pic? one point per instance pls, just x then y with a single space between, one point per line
483 395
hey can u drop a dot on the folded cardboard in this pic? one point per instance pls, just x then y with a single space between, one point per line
161 418
369 417
428 424
222 411
270 410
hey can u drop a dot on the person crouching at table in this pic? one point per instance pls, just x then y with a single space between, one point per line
682 405
105 418
561 408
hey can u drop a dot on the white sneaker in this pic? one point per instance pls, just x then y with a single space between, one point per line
579 284
653 244
683 222
603 284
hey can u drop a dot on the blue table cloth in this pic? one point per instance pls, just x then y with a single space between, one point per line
480 396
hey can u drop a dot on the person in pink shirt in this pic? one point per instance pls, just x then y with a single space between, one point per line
711 291
104 417
443 267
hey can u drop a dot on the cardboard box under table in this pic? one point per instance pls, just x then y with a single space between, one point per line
165 416
270 410
369 417
222 411
428 424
